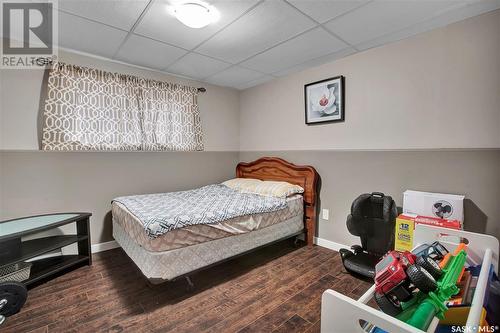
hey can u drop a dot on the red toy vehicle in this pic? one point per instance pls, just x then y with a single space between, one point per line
398 274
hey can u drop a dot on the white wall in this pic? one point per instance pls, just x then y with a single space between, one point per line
20 100
440 89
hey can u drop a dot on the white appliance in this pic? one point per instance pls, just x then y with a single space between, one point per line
444 206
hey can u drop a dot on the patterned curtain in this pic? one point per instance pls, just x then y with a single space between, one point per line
90 109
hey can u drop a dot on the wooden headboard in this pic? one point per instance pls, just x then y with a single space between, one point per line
274 168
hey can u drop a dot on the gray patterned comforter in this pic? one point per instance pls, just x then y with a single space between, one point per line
162 212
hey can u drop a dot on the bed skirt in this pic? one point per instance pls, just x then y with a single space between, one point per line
158 267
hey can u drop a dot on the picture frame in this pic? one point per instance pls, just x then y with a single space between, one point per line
324 101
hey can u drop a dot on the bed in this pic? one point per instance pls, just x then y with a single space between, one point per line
183 251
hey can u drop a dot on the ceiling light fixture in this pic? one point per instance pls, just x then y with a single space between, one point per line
196 14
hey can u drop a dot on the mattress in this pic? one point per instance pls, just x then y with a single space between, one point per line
167 265
197 234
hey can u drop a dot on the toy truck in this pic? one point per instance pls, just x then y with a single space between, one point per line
398 275
421 306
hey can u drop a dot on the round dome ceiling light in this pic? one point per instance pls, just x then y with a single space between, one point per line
196 14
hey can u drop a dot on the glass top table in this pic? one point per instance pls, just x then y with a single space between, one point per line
16 249
28 225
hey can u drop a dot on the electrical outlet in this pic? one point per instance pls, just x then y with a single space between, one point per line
325 214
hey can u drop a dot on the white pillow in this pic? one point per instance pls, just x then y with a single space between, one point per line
242 184
266 187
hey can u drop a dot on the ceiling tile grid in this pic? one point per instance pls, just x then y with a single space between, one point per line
234 76
316 62
83 35
261 80
119 14
254 41
380 17
323 11
310 45
197 66
160 24
453 14
148 52
268 24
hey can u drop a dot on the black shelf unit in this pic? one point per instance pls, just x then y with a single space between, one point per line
44 269
50 267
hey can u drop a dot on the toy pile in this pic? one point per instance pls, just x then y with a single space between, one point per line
429 281
417 286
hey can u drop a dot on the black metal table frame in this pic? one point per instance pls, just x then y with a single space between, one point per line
45 269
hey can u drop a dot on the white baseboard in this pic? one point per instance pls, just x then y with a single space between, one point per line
104 246
329 244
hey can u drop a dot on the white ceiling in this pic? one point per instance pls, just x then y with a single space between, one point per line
254 41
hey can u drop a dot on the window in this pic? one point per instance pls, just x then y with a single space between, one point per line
90 109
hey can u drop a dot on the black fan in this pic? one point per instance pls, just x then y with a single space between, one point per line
442 209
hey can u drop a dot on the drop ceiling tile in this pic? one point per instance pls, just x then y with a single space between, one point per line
120 14
316 62
234 76
197 66
266 25
311 45
458 13
254 83
149 53
87 36
381 17
322 11
159 23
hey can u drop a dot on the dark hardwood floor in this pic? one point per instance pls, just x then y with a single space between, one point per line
276 289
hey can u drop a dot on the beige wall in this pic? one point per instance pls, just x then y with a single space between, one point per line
20 100
35 182
347 174
440 89
47 182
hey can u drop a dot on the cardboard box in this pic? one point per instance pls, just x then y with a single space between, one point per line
405 225
403 240
438 205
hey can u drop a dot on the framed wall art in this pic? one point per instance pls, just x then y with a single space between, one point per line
324 101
